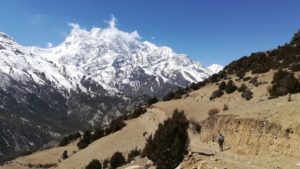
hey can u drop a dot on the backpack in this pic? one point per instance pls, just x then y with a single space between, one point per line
221 139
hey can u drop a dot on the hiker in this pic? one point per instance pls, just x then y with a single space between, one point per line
221 141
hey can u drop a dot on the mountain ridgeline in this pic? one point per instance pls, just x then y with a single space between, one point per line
284 60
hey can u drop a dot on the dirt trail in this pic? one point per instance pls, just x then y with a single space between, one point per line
210 154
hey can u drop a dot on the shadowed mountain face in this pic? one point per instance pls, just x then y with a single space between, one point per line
92 77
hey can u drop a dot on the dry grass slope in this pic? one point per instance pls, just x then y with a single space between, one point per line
259 133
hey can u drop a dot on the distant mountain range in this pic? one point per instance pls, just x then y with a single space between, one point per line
92 77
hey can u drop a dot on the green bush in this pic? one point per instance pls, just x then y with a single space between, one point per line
242 88
196 86
284 82
214 78
152 101
180 91
139 110
247 78
169 144
94 164
295 68
230 87
68 139
254 81
247 94
215 94
240 74
169 96
177 96
85 141
225 107
222 86
132 154
222 74
105 163
117 160
65 155
296 38
98 133
115 125
213 112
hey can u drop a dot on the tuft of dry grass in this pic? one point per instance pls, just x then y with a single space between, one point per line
225 107
196 127
213 112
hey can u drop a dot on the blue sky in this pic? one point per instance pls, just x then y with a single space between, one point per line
210 31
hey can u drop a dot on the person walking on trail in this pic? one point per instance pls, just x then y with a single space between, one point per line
221 141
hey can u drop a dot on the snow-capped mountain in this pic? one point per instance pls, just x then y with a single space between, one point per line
215 68
88 79
114 59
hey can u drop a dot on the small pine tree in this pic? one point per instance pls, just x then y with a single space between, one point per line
105 163
115 125
169 96
66 140
132 154
169 144
215 94
98 133
117 160
225 107
139 110
152 101
295 67
242 88
247 94
296 38
289 97
222 86
284 82
179 93
230 87
94 164
65 155
85 141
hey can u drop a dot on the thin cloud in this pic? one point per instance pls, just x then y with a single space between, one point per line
112 22
74 25
49 45
37 18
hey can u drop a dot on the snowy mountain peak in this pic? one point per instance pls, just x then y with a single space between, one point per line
111 57
116 60
215 68
3 35
4 38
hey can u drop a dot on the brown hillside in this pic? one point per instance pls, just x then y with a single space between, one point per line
259 133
